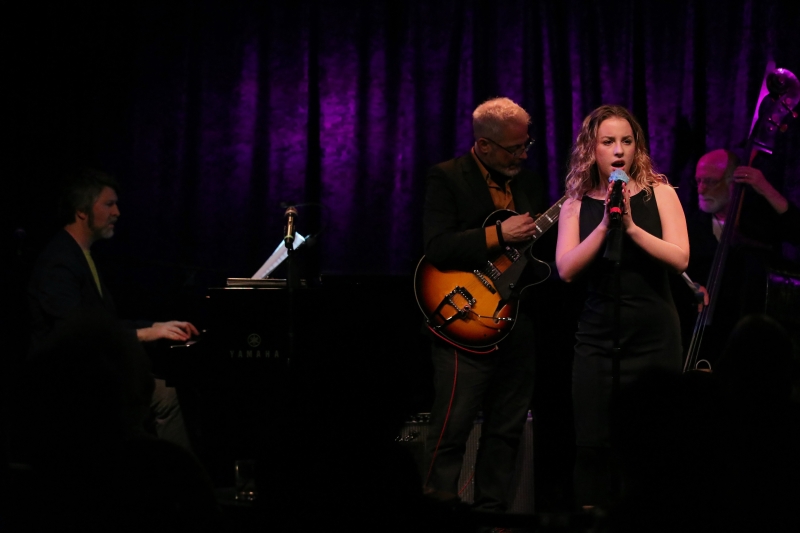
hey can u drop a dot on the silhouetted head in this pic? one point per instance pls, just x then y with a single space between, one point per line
757 360
90 386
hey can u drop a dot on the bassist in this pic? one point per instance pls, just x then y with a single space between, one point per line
767 220
756 229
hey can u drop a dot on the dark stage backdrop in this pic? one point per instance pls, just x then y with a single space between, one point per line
215 115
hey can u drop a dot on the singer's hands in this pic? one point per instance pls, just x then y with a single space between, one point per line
606 219
518 228
627 221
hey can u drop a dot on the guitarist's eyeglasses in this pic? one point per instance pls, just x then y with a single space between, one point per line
517 150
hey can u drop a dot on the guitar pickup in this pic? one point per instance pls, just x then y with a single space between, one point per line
485 282
512 253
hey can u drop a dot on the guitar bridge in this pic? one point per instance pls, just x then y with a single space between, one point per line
449 299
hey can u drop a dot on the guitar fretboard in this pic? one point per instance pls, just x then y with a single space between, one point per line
546 220
549 217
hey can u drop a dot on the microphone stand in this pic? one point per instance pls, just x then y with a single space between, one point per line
614 253
291 285
289 236
292 281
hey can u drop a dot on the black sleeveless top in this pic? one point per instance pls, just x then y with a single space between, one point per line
647 309
649 326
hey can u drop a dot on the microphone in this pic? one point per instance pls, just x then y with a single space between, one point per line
615 200
289 230
614 238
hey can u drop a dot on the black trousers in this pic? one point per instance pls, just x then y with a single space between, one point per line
499 384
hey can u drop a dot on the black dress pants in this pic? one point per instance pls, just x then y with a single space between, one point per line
500 384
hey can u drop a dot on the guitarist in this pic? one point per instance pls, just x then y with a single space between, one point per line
767 219
460 194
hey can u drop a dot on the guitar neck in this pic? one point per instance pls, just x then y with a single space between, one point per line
546 221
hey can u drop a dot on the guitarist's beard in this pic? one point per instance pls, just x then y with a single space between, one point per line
499 177
502 175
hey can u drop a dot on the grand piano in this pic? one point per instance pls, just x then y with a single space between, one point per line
342 353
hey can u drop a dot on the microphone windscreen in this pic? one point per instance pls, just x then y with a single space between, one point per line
618 175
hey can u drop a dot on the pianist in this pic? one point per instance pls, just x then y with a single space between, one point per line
65 280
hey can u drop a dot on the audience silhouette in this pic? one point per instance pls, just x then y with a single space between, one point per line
91 464
714 451
708 451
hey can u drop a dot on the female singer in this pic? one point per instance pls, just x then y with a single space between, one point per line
629 304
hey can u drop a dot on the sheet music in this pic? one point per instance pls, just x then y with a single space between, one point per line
278 256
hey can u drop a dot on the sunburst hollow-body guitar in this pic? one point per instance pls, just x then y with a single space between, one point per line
477 309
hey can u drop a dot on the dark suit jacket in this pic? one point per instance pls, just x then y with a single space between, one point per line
458 201
61 284
755 248
742 289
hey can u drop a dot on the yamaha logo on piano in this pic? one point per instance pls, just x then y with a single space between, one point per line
254 354
254 341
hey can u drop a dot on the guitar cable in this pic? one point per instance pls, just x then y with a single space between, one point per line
466 483
446 419
458 346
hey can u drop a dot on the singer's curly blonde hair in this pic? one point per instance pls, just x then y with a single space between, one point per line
583 175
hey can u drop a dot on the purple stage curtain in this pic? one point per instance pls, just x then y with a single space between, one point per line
216 115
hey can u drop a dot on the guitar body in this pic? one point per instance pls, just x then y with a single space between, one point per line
477 309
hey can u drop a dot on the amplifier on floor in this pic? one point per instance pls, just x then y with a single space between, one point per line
414 435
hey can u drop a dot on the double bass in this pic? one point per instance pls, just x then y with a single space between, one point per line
774 114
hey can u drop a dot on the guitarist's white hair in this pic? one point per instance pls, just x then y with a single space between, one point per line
489 118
